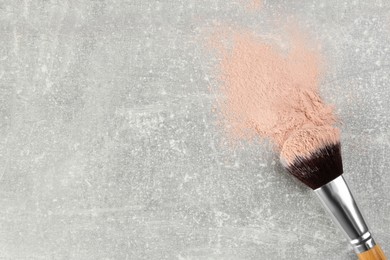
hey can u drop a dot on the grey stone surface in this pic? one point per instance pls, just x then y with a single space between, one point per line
109 149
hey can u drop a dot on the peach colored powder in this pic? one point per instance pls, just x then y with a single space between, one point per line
254 4
305 142
269 93
251 5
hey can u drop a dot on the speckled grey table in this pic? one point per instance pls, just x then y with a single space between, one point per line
109 150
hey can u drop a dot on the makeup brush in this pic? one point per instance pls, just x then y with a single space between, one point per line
313 156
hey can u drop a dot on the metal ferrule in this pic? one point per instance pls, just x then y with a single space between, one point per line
338 200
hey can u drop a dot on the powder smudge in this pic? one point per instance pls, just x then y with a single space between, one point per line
254 5
267 92
251 5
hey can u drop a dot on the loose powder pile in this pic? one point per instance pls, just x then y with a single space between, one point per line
267 92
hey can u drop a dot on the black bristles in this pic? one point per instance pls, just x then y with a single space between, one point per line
322 167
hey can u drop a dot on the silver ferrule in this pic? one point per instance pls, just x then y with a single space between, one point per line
339 202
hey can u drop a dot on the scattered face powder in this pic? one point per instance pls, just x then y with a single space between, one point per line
254 5
267 92
305 142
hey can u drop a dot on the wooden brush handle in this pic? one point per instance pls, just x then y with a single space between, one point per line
374 253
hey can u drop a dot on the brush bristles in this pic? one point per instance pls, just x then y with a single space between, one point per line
321 167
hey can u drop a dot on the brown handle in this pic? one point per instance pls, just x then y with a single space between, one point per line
374 253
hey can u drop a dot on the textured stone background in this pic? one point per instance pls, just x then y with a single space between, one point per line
109 150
